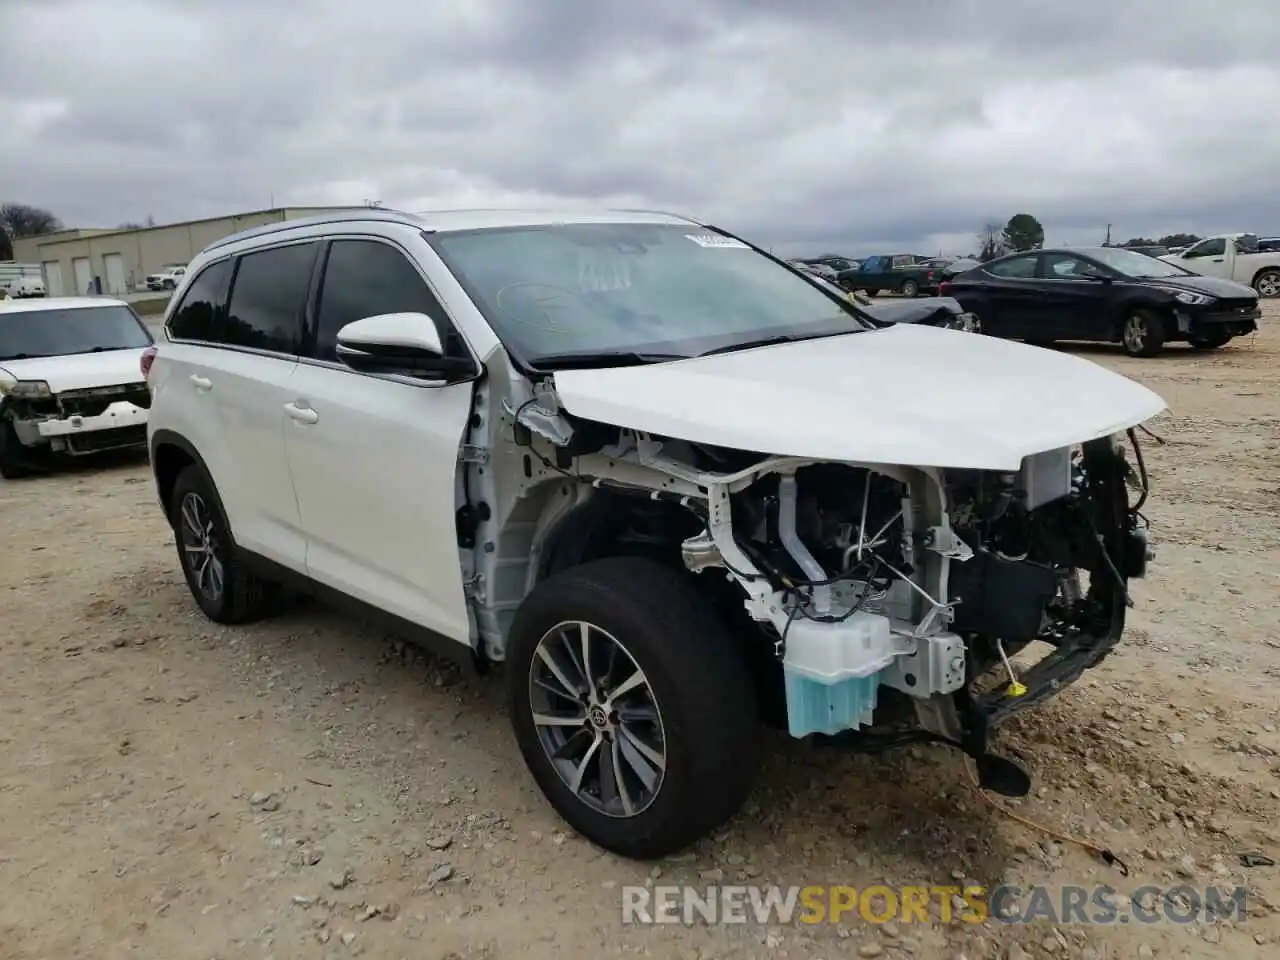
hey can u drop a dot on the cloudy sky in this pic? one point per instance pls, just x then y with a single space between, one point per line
806 124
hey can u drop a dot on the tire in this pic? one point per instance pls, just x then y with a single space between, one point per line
1267 283
241 597
168 285
1142 334
872 293
1210 342
11 466
909 288
696 683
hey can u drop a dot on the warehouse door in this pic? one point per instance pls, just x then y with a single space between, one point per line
53 278
115 274
84 276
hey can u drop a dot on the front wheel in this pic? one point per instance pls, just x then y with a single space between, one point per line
632 705
1142 334
1267 283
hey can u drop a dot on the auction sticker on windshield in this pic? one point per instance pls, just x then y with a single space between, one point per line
711 240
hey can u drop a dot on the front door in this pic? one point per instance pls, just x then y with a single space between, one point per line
374 459
1078 304
1208 257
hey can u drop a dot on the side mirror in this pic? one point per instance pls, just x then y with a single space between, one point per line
403 344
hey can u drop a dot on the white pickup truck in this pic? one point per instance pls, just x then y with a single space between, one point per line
1233 256
168 277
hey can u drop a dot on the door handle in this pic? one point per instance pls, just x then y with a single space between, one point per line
301 414
1217 259
203 384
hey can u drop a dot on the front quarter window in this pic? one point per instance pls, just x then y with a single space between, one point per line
637 288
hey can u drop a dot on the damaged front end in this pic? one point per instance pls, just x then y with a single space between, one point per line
867 587
41 423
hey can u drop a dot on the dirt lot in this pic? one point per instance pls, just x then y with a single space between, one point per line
305 788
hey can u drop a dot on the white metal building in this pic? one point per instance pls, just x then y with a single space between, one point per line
115 262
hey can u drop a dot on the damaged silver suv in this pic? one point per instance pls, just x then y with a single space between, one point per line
671 484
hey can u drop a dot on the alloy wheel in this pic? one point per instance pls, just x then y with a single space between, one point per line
1135 334
597 719
200 546
1269 285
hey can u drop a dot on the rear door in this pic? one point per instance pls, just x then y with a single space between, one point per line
233 366
1013 299
375 459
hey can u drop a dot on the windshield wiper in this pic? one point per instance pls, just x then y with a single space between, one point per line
610 358
23 356
773 341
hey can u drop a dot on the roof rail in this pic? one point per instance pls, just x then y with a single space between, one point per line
380 214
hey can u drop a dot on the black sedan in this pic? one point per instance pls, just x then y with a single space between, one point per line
1104 294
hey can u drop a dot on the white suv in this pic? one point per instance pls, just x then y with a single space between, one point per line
672 484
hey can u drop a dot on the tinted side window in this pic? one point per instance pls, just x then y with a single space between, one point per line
365 278
268 294
200 316
1018 268
1210 248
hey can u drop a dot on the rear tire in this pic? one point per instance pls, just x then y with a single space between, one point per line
11 466
872 293
1267 283
909 288
694 710
1142 334
224 589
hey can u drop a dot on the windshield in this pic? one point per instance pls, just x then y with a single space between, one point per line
25 334
1133 264
634 288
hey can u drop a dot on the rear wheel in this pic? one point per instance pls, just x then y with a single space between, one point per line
1142 334
871 293
224 589
1267 283
910 288
632 705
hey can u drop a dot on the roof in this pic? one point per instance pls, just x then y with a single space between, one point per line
58 303
444 221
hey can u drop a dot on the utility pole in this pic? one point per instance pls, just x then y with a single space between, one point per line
1107 242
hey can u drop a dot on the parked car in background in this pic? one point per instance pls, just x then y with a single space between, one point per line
904 273
168 277
612 452
844 267
69 380
1105 294
26 288
1150 251
823 270
1233 256
1268 244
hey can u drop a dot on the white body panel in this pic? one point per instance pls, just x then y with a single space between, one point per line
899 395
231 405
373 466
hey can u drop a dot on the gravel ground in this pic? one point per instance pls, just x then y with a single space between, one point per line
308 788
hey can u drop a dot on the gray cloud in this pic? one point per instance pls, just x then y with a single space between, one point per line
811 124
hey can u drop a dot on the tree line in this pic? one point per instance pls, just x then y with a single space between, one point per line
19 220
1024 232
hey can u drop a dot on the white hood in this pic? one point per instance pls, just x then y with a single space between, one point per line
79 371
898 395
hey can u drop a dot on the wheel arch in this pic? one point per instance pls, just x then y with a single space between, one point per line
1273 268
171 453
